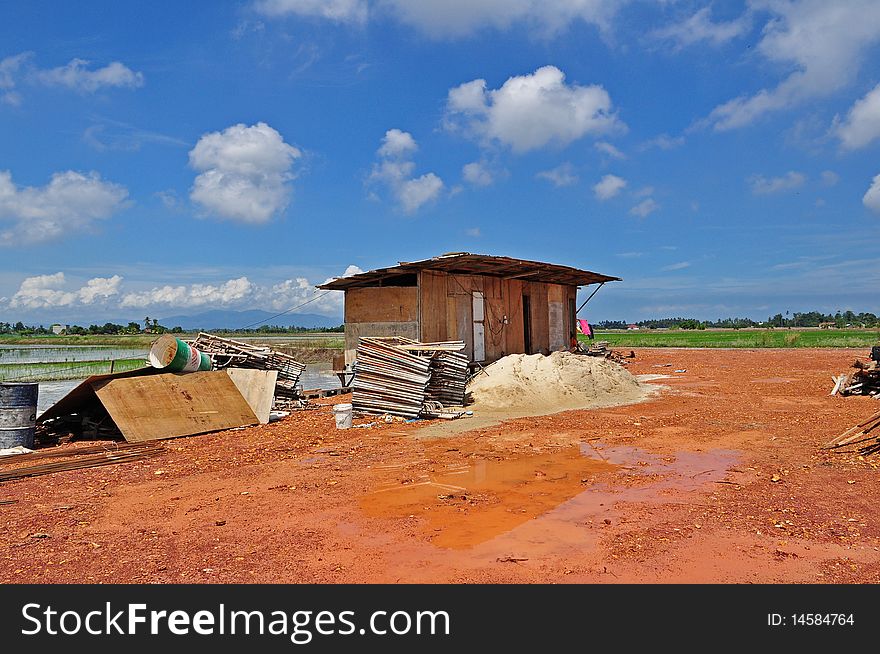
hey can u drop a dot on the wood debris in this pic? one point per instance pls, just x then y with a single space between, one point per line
864 381
864 438
135 452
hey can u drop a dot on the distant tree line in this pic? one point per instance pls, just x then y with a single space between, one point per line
151 326
808 319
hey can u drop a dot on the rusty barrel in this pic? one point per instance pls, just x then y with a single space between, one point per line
18 413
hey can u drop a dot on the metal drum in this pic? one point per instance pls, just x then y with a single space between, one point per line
18 413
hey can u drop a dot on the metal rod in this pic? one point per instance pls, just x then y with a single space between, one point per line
596 290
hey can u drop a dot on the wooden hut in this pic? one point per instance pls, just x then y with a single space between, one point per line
496 305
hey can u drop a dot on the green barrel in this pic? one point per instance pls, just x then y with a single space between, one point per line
174 355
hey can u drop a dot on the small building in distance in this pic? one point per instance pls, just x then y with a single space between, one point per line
632 327
59 328
495 305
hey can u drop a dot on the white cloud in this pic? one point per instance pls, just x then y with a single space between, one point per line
9 68
824 42
609 186
872 197
644 192
531 111
677 266
342 11
396 172
457 18
193 295
99 287
644 208
477 173
862 124
70 202
768 185
47 291
474 232
663 142
245 172
397 143
699 27
829 178
609 149
562 175
77 77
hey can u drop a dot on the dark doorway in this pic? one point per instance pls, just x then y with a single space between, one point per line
572 317
527 325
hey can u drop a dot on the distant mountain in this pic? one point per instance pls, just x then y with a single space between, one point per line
219 319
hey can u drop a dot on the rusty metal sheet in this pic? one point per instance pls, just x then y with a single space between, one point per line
171 405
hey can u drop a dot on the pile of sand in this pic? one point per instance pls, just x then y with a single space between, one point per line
534 384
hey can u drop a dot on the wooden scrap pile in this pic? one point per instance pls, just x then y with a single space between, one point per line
77 458
227 353
864 438
864 381
402 377
601 349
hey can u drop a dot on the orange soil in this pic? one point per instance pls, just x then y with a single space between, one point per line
718 478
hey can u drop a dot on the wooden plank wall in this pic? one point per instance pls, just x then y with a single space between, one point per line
380 311
441 309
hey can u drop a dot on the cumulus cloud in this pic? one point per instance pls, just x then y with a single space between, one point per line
663 142
458 18
699 28
829 178
342 11
562 175
397 143
768 185
70 202
609 186
76 76
862 124
396 172
530 111
681 265
244 173
644 208
9 70
609 149
477 173
48 291
872 197
192 295
824 42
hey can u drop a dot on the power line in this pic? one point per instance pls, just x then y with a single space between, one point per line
260 322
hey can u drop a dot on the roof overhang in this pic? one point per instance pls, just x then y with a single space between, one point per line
464 263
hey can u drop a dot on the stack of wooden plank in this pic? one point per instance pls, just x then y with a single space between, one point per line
864 381
859 438
226 353
400 376
388 379
448 378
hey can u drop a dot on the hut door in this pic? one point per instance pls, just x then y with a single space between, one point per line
479 328
527 325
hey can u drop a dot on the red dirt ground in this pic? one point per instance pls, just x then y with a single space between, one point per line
717 478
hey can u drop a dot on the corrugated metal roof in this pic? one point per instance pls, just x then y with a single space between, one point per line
465 263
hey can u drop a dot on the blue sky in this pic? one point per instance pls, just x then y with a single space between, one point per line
168 158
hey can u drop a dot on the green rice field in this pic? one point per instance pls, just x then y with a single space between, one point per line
58 370
744 338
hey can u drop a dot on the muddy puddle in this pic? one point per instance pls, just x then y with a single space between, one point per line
545 497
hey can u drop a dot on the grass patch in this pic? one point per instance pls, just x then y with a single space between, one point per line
59 370
742 338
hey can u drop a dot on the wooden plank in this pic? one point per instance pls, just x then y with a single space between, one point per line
355 330
540 317
171 405
513 331
382 304
258 389
432 306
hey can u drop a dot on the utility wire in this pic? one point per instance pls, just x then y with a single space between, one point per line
260 322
